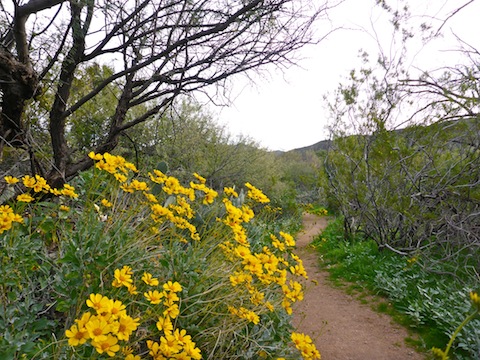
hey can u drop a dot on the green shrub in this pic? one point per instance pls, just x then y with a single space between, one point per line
127 265
434 303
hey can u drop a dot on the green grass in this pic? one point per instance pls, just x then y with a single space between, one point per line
431 306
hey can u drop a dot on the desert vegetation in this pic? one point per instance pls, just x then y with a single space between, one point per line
401 170
133 226
126 264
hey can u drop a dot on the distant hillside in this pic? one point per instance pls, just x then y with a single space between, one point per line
321 145
450 126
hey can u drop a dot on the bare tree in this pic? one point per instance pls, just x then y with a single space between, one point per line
158 49
408 174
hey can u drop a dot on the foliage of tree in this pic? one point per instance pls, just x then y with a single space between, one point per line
156 50
300 169
188 139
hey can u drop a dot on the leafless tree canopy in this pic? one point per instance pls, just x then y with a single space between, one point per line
158 49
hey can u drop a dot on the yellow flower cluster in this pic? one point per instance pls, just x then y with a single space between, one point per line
266 268
39 184
7 218
256 194
171 185
256 267
262 268
209 194
26 198
135 185
229 191
174 343
244 313
123 277
235 217
178 213
112 164
105 328
111 324
305 345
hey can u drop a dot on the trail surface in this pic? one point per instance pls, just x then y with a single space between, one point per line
341 327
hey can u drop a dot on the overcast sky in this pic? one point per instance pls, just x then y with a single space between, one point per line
287 111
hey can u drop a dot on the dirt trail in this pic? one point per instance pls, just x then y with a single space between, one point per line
341 327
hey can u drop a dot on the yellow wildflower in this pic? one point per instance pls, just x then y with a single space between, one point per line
256 194
83 320
40 184
94 156
150 197
305 345
126 326
132 357
153 296
169 345
11 180
269 306
289 240
76 336
25 198
97 328
230 191
120 177
123 277
164 324
28 181
154 348
7 217
106 203
117 309
172 311
192 350
172 286
210 196
246 314
132 289
69 191
247 213
127 350
98 302
200 178
106 345
149 279
181 336
170 298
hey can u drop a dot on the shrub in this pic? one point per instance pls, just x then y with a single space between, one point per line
125 265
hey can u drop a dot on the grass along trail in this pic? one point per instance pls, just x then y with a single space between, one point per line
341 327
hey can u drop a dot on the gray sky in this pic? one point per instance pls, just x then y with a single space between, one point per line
287 111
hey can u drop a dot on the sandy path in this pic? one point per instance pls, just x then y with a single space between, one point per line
341 327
